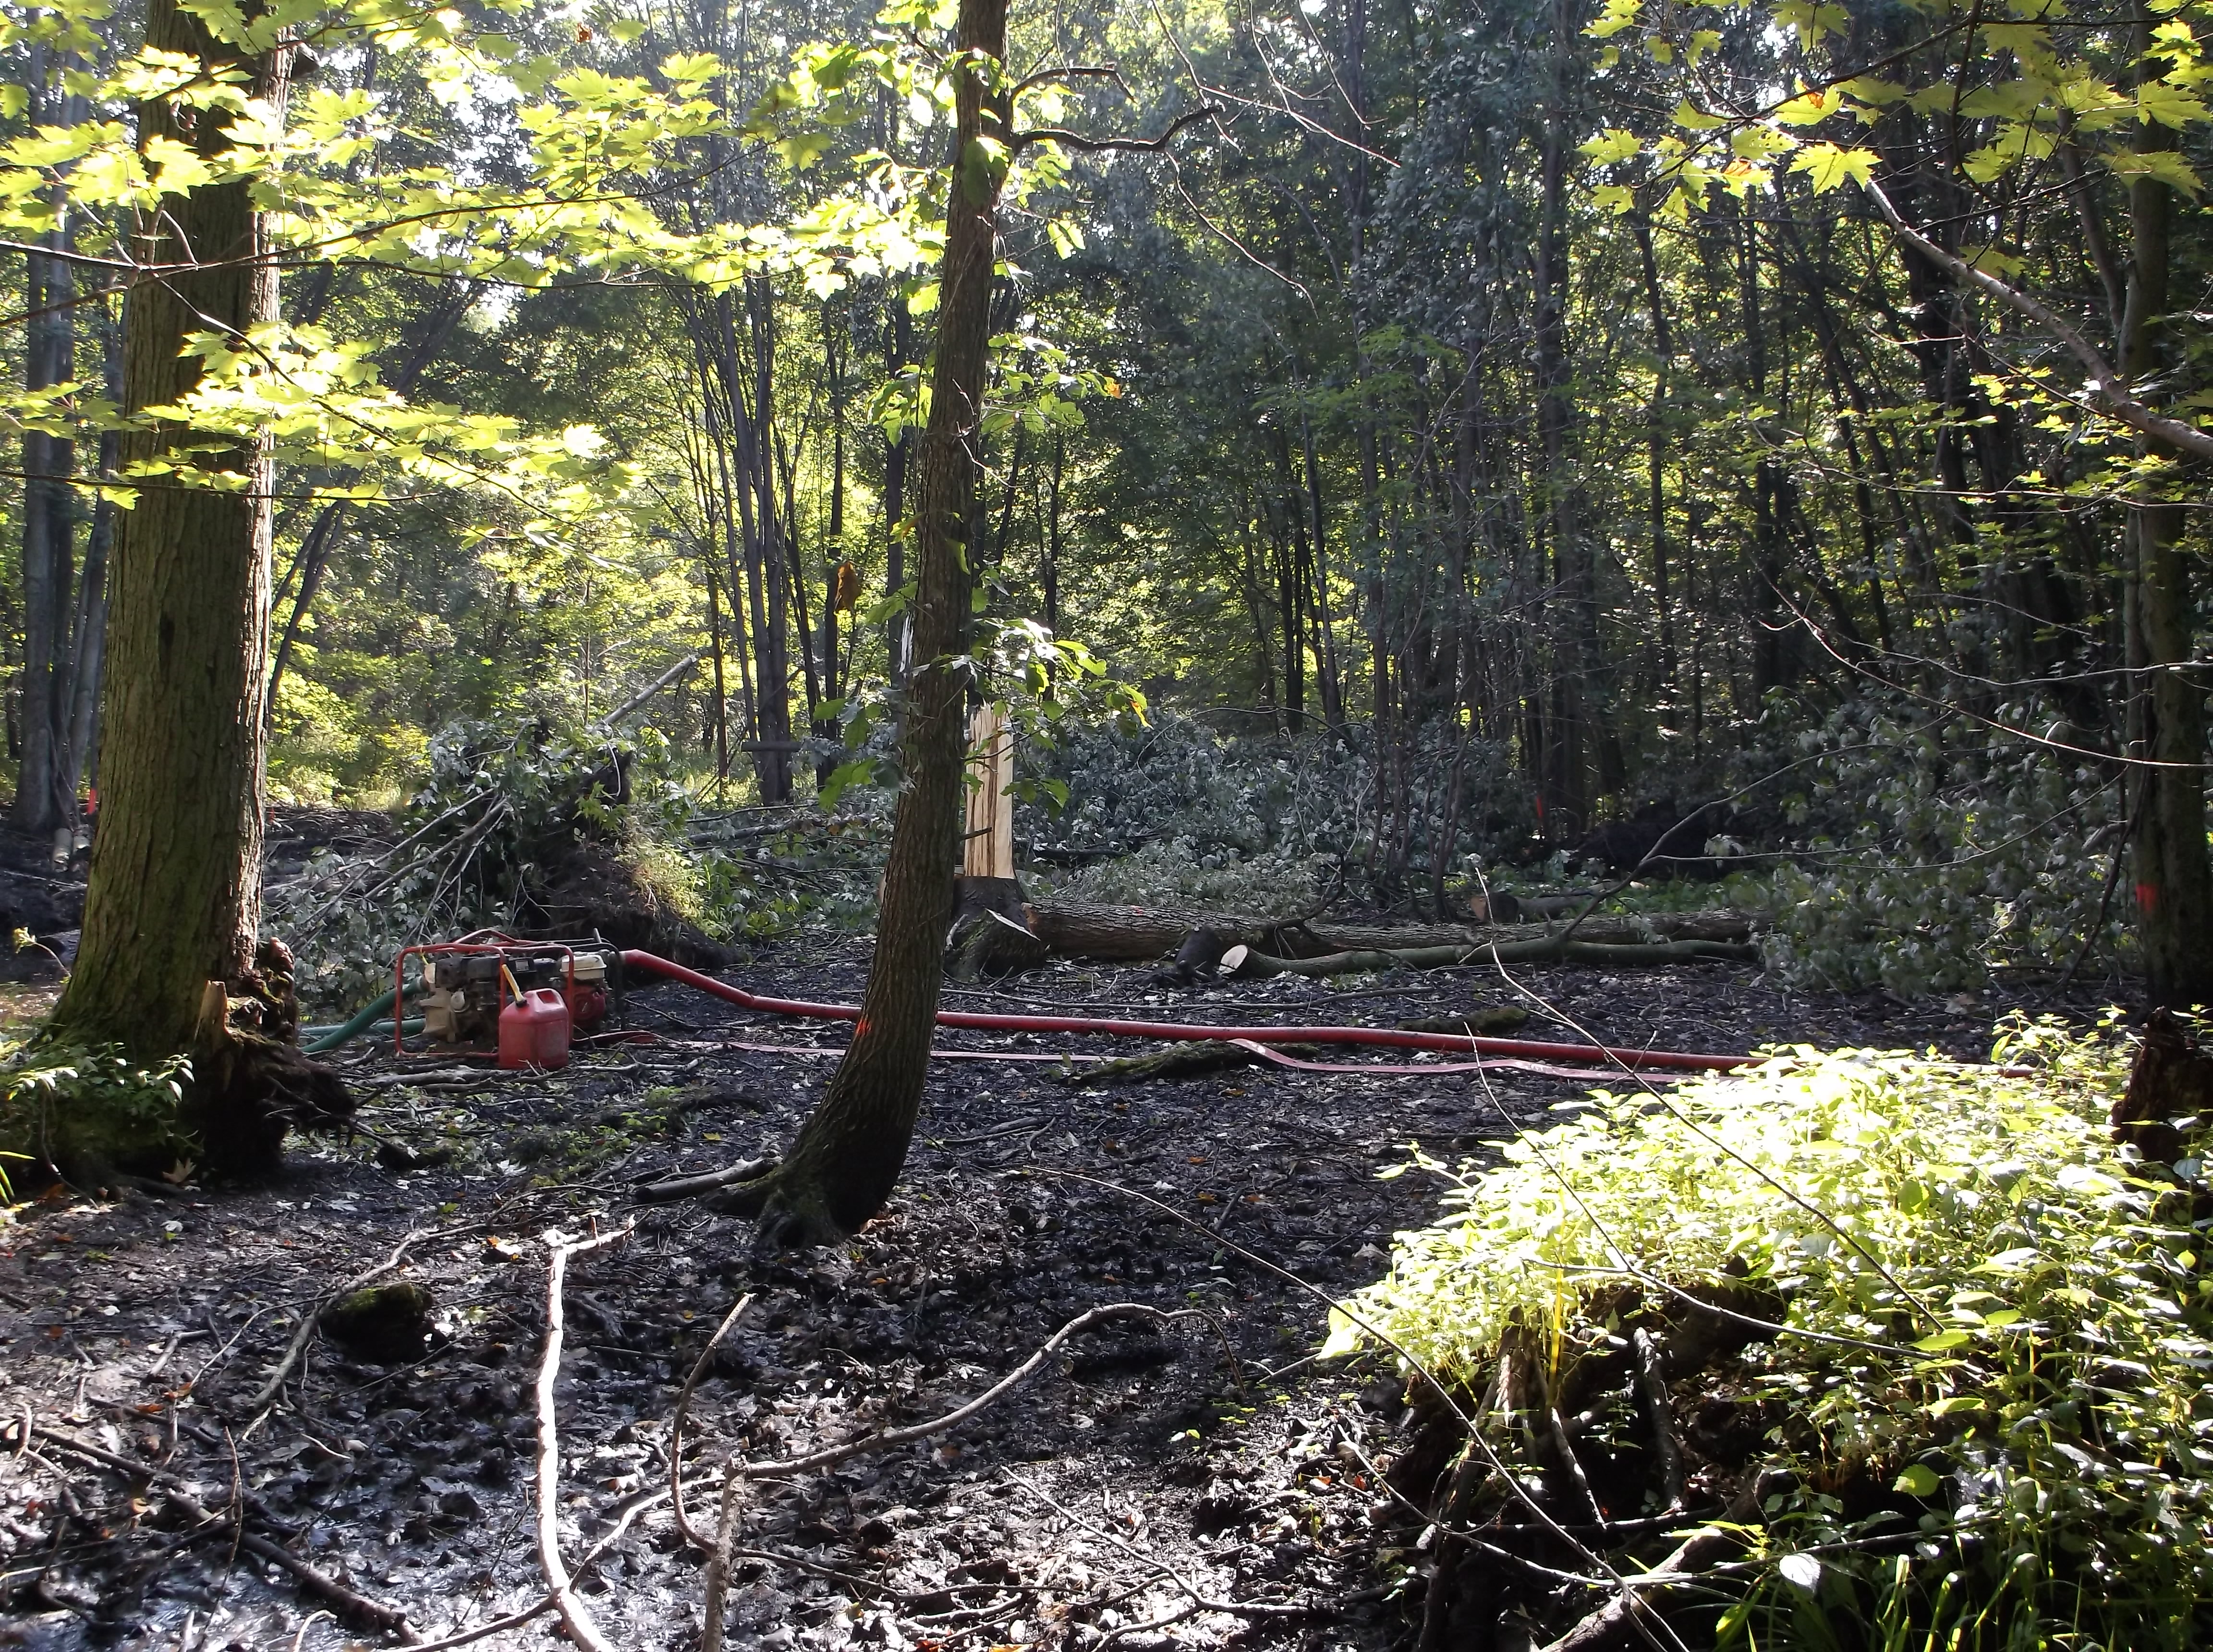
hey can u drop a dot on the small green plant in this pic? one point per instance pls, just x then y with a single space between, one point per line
1998 1422
55 1097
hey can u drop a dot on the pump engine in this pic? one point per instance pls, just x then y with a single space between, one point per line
465 984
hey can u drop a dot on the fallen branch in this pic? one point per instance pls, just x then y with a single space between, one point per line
1193 1058
1629 1618
1200 1601
718 1567
473 1076
546 1603
574 1616
1245 963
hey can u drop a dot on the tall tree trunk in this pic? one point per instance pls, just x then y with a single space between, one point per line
88 664
898 351
1050 573
2174 883
49 508
846 1160
175 893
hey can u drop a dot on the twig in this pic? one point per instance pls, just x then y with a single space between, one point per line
1628 1609
1652 1384
887 1439
718 1567
308 1321
1200 1601
676 1420
546 1603
474 1075
1520 1493
890 1438
574 1616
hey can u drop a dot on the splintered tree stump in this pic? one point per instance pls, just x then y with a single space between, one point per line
2170 1093
251 1086
991 931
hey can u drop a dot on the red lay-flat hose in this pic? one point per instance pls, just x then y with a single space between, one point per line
1526 1048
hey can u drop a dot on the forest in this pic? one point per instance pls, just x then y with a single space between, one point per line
959 826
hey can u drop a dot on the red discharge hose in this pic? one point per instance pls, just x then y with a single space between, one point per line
1525 1048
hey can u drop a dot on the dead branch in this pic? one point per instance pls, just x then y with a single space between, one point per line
889 1439
1652 1385
546 1603
685 1187
1200 1600
684 1405
1133 934
718 1567
1630 1616
574 1616
360 1608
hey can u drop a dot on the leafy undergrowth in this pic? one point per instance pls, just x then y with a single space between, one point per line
1963 1400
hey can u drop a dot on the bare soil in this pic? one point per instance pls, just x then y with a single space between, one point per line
1195 1484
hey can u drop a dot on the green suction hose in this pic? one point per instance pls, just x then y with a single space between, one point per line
374 1017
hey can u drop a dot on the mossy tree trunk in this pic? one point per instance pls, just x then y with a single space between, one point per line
846 1159
175 896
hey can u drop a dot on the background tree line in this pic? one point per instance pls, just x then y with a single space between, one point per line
1518 392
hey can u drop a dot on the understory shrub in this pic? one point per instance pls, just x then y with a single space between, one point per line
1931 853
1257 823
58 1099
1999 1332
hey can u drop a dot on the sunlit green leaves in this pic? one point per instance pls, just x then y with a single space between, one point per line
1830 167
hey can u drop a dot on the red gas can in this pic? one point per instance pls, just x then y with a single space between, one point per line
534 1033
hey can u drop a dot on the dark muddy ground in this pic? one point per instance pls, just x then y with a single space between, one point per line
1187 1485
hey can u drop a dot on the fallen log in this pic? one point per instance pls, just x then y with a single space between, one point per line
1486 1021
1249 963
1140 934
1135 934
